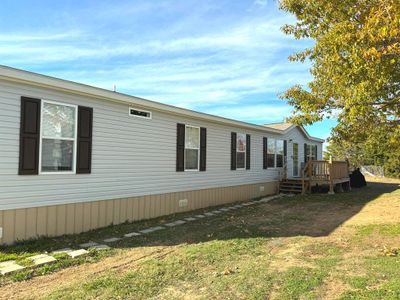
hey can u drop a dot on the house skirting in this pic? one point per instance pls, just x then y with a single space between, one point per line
56 220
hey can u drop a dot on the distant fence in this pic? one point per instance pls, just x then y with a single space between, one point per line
374 171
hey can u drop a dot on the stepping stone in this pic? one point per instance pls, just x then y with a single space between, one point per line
199 216
216 212
10 266
224 209
176 223
101 247
7 263
172 224
131 234
88 245
151 229
158 228
80 252
190 219
42 259
265 200
148 230
63 250
111 240
209 214
238 206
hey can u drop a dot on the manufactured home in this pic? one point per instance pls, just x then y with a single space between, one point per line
75 157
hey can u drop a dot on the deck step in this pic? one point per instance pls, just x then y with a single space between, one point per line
288 184
293 186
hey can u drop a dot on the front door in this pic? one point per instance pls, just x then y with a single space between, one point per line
295 160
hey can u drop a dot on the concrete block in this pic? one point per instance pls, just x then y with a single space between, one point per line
176 223
88 244
145 231
157 228
101 247
112 240
9 268
78 253
61 251
131 234
42 259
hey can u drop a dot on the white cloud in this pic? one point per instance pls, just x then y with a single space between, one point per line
41 37
254 113
213 70
261 3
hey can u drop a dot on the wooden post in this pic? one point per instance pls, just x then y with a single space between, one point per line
331 191
310 166
303 173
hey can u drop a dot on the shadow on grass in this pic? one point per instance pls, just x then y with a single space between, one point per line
302 215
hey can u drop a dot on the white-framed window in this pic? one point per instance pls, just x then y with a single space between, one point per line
279 153
140 113
58 132
241 151
311 152
271 149
192 148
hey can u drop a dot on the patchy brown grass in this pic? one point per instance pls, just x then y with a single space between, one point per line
303 247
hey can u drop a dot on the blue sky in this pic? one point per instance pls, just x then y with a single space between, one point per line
222 57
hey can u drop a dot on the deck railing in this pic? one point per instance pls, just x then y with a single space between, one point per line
323 170
340 169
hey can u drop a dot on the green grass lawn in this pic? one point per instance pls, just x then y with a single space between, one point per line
344 246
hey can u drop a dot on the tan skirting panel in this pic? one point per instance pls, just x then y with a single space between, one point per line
26 223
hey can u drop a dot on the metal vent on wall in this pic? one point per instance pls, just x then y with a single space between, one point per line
140 113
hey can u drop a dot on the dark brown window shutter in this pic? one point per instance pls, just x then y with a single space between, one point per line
284 150
248 151
180 147
305 152
316 152
203 148
29 137
84 140
233 151
265 145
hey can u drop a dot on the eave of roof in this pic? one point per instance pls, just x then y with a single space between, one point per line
286 127
35 79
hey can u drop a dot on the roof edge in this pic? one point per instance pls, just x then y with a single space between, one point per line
305 133
35 79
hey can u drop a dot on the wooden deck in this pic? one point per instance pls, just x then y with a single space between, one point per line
324 172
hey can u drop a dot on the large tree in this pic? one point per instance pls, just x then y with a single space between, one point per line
355 64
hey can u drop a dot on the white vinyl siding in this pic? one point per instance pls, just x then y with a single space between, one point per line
131 156
296 136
